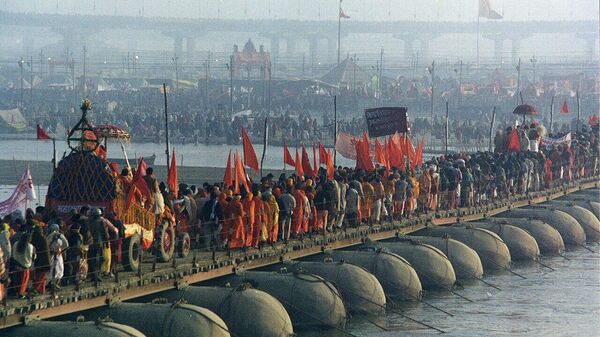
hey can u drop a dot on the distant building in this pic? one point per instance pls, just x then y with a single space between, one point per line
249 61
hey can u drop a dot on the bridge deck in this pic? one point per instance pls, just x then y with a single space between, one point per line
201 266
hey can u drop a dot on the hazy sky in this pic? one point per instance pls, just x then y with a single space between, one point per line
434 10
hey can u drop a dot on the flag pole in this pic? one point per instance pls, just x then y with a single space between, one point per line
339 33
166 127
265 137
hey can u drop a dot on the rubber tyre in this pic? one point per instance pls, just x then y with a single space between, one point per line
132 252
165 242
184 243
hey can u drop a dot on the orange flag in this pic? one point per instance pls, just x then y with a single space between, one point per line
322 154
138 183
172 176
366 155
409 149
287 157
228 178
299 170
363 160
418 159
250 158
359 157
380 154
240 175
396 157
513 141
329 162
308 170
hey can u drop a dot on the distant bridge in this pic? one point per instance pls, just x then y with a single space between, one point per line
76 28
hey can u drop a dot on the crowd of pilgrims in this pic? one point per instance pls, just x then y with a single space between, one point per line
49 250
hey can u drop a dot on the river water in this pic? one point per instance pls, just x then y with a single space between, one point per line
564 302
199 155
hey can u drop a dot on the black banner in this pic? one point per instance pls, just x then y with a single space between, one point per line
386 121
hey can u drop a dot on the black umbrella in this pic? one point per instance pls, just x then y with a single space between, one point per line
525 109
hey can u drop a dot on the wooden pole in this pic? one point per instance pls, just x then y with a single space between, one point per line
518 80
551 114
166 127
265 140
339 34
578 111
492 128
231 83
432 90
447 128
334 128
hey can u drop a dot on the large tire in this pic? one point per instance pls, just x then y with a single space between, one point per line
184 244
132 252
165 242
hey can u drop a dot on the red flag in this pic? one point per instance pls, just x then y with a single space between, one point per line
299 170
41 133
322 154
593 121
250 158
228 177
139 183
315 165
329 162
172 180
564 109
308 170
513 141
240 175
287 156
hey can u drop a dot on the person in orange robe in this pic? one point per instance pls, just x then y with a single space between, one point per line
298 215
259 216
224 200
236 231
249 215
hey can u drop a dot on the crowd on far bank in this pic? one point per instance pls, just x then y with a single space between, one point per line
41 249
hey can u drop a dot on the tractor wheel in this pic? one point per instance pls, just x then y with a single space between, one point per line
183 244
132 253
165 242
